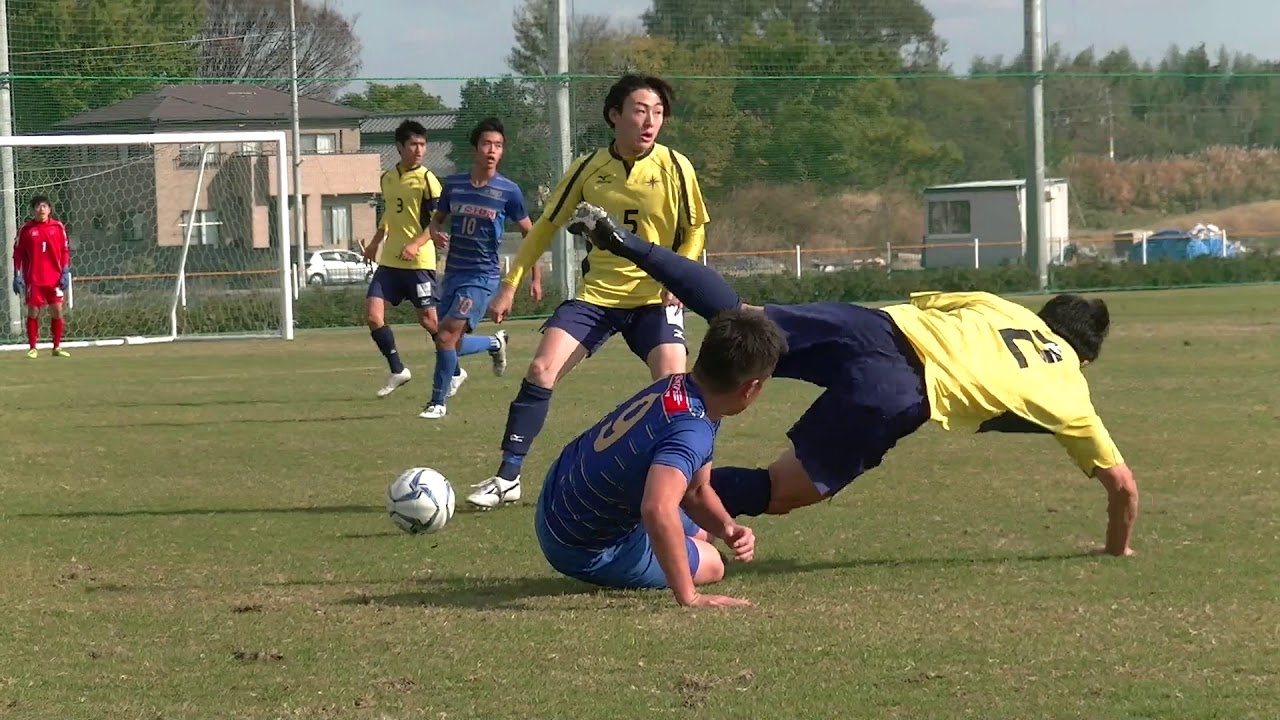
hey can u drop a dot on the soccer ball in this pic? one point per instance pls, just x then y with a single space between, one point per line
420 501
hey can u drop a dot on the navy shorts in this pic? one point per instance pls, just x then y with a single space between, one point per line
628 563
395 285
644 328
874 388
466 296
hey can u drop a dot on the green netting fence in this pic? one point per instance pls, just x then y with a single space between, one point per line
839 157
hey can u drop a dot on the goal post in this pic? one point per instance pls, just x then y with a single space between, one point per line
174 235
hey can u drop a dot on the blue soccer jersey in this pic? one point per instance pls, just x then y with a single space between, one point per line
592 495
477 216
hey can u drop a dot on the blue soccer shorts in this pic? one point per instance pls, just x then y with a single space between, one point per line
644 328
466 296
627 563
395 285
874 388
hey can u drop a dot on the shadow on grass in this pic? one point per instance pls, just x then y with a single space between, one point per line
234 421
485 594
784 566
309 510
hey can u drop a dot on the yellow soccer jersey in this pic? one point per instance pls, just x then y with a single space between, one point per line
985 356
656 197
409 197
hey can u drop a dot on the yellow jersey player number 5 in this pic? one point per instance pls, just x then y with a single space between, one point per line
653 190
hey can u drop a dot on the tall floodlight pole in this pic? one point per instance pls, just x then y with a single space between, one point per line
1037 243
299 221
10 189
562 254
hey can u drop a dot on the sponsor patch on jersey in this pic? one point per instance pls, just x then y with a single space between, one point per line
476 211
675 399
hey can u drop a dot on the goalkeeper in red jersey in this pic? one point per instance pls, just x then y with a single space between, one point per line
42 272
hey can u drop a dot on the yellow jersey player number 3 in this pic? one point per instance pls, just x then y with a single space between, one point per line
653 190
403 249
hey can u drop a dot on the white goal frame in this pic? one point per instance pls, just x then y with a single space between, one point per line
12 222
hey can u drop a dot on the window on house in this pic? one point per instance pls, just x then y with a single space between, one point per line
319 143
206 227
131 226
189 155
336 225
949 217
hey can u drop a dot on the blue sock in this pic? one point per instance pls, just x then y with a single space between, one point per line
472 344
386 342
699 287
446 366
525 418
743 491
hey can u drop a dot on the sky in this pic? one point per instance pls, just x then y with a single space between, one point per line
471 39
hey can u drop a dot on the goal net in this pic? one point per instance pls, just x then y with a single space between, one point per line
173 236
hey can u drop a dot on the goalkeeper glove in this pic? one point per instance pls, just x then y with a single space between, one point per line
18 286
64 282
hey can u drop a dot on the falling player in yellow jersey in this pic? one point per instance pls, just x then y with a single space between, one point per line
968 361
403 249
655 191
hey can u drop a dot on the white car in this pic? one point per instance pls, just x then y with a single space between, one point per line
337 267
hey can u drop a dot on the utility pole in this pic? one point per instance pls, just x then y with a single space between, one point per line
299 216
10 188
563 256
1037 243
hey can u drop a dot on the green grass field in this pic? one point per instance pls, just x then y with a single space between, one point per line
197 531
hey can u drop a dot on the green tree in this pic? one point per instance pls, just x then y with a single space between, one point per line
79 46
402 98
902 28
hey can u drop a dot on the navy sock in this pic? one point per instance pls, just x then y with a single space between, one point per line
386 342
743 491
446 366
525 418
699 287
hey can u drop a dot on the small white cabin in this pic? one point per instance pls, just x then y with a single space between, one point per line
984 223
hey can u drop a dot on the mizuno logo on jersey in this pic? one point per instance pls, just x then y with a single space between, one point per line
675 399
475 211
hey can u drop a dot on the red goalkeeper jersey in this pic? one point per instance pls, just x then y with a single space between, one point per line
42 251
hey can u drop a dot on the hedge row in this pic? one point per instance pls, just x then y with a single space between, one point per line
324 308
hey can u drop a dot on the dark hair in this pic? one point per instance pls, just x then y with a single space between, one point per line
1082 322
37 199
408 130
630 83
740 345
489 124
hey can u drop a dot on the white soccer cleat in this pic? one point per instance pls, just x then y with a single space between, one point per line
394 381
499 355
494 492
433 412
456 381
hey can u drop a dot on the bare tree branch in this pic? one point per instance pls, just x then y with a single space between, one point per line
250 39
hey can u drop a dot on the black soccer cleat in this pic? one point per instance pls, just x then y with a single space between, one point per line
596 225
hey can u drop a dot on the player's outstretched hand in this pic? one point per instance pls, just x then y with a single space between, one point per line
17 284
535 290
742 541
410 252
716 601
501 303
64 281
